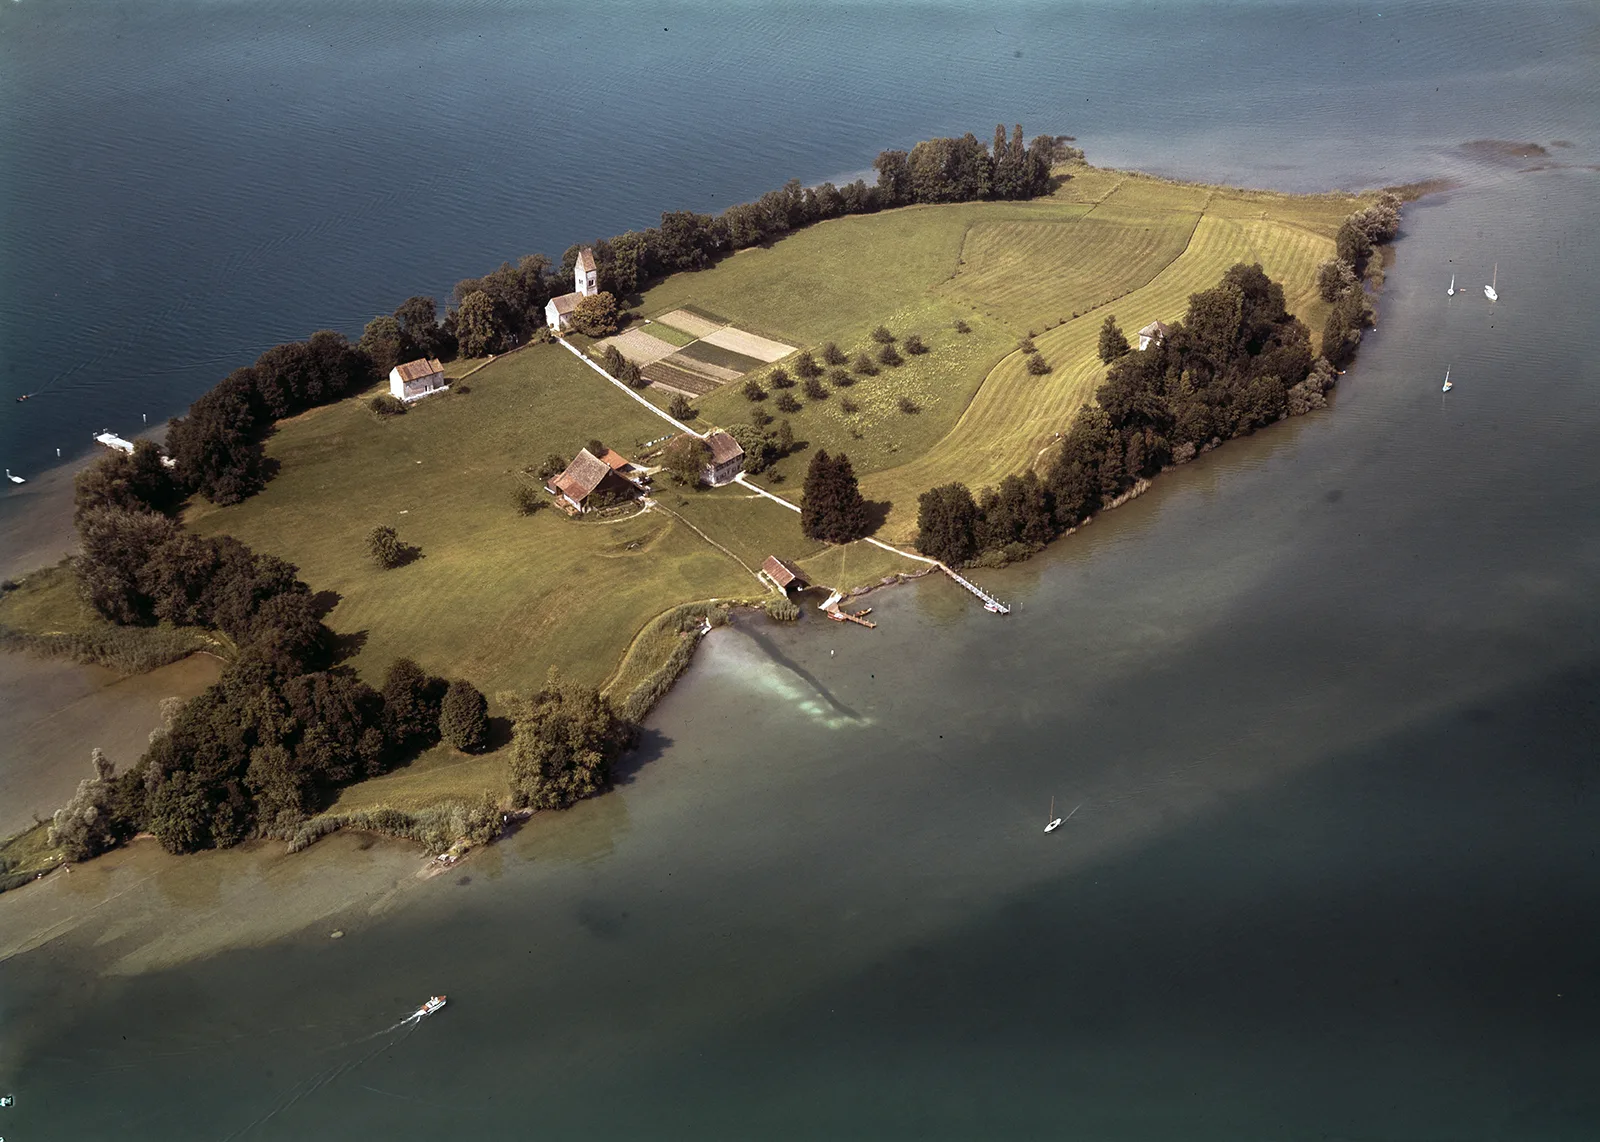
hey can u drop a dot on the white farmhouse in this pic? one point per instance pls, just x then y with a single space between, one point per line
586 279
1155 331
417 379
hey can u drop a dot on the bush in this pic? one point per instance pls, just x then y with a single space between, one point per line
631 376
890 356
1037 365
806 366
914 345
552 466
680 408
527 500
596 315
1335 278
685 458
882 335
841 378
1026 345
787 403
386 405
908 406
783 610
963 327
385 548
780 379
834 355
814 389
848 405
760 417
752 390
865 365
464 717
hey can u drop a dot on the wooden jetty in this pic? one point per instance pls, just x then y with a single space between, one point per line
989 601
839 616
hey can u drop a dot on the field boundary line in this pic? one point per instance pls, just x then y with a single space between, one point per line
657 505
676 423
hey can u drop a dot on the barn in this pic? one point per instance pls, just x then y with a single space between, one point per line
586 478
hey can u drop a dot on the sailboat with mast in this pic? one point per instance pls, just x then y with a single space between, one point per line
1055 821
1489 290
1451 292
1447 385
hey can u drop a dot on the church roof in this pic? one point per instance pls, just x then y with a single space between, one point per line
586 259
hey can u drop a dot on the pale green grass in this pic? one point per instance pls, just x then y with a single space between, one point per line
856 565
749 525
439 775
496 597
667 333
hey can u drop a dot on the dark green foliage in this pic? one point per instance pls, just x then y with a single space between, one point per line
831 507
1037 365
962 327
1335 278
752 390
552 466
787 403
779 378
760 417
783 610
914 345
890 356
1019 511
680 408
139 483
596 315
385 343
631 375
685 458
565 741
907 405
611 359
90 824
806 366
410 706
840 378
116 546
478 329
527 500
385 547
947 521
814 389
865 365
1353 247
1341 332
848 405
386 405
1112 343
763 447
834 355
419 323
464 717
882 335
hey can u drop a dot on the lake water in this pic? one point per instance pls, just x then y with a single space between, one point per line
1326 697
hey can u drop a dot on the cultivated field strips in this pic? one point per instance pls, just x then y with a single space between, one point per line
1033 275
690 322
1014 414
710 353
638 346
736 340
677 380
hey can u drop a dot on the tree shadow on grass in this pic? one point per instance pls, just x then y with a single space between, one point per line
344 646
499 735
877 515
650 746
323 602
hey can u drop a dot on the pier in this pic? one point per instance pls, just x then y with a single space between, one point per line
989 601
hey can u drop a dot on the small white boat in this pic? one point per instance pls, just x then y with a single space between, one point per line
992 608
1488 290
1451 292
428 1008
1447 385
14 479
1055 822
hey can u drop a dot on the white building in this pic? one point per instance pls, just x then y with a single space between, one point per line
585 279
417 379
1155 331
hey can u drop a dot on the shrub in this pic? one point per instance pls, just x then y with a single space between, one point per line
464 717
611 359
680 408
890 356
552 466
908 406
760 417
783 610
631 376
841 378
914 345
834 355
963 327
787 403
1334 278
780 379
385 548
1026 345
752 390
387 405
527 500
806 366
684 459
865 365
849 405
814 389
596 315
1037 365
882 335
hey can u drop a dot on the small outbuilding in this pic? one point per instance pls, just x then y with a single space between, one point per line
1155 331
417 379
782 575
621 465
586 283
586 476
727 459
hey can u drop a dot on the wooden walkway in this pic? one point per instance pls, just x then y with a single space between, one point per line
989 601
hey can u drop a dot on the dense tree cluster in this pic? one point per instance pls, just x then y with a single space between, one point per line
684 458
565 739
1339 280
964 170
831 507
413 331
764 445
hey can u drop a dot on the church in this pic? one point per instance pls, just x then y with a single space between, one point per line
558 311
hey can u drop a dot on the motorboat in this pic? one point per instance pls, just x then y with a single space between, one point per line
428 1008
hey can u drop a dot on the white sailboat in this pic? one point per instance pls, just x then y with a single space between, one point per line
1447 385
1055 821
1451 292
1488 290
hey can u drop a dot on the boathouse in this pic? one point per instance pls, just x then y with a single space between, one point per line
781 575
417 379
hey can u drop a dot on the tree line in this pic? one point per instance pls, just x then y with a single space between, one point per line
1237 361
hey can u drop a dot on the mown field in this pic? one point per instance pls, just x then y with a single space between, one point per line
1106 242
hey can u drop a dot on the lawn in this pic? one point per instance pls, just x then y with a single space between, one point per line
496 597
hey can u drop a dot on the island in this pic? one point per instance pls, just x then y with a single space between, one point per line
451 565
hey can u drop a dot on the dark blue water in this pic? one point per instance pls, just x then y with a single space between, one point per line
1327 696
186 184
